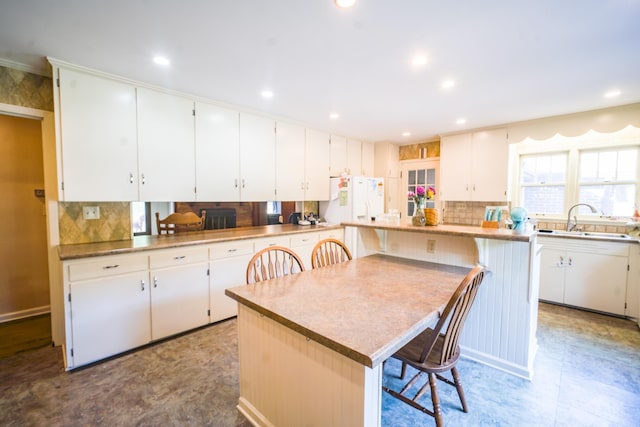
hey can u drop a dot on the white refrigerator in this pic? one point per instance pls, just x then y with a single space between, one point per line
353 198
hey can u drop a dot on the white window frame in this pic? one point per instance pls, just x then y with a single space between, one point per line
572 145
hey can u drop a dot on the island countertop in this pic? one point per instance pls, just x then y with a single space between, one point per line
450 230
145 243
364 309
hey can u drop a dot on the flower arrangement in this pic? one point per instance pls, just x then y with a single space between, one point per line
421 195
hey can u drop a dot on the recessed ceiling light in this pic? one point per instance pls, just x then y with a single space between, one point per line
419 60
448 84
344 3
612 94
461 121
405 134
334 116
267 94
161 60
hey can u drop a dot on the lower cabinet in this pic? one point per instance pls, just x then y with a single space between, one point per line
108 308
228 268
584 273
116 303
179 291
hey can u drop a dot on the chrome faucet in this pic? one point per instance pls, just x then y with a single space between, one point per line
570 226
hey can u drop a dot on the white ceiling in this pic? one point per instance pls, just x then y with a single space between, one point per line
512 60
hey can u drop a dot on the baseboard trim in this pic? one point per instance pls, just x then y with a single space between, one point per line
22 314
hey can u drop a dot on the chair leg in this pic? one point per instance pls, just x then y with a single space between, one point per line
458 385
403 371
437 412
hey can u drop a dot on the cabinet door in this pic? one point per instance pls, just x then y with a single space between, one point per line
338 155
217 153
317 152
354 157
226 273
489 165
368 157
179 299
303 245
455 167
99 142
108 316
552 272
596 281
257 158
290 164
166 145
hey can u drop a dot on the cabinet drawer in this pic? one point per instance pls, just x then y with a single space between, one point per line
304 239
334 234
174 257
230 249
107 266
262 243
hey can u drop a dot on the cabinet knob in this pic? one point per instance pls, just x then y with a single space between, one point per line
242 182
155 282
130 178
142 284
142 180
235 183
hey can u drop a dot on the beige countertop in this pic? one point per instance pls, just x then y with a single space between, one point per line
364 309
451 230
145 243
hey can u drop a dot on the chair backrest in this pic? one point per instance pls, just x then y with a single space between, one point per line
180 222
456 312
272 262
329 251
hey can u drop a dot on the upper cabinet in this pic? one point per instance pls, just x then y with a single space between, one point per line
166 146
257 158
338 155
99 143
316 165
354 157
474 166
368 159
290 162
217 153
302 163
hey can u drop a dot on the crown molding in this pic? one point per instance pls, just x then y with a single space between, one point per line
42 71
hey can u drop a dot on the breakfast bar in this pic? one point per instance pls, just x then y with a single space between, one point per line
311 345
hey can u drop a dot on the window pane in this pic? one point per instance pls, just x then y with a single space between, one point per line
627 165
421 177
617 200
528 170
607 164
559 168
139 217
411 179
547 199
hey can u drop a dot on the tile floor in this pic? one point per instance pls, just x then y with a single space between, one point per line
587 374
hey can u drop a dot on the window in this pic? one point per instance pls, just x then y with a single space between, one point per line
141 218
543 180
607 180
422 178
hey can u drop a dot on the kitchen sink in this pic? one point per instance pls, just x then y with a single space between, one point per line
590 234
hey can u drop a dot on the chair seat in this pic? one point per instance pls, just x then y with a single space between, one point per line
410 354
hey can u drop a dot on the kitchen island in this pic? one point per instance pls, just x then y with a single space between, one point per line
311 345
501 328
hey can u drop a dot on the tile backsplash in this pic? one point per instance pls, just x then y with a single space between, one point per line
114 222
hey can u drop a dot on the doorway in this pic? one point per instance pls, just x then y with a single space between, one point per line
422 173
24 281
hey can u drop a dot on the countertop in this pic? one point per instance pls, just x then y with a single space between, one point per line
451 230
145 243
365 309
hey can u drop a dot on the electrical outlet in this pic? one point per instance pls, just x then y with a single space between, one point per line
91 212
431 246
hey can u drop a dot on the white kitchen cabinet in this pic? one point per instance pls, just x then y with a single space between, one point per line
179 290
290 162
303 245
257 158
368 159
338 155
98 134
316 165
354 157
474 166
387 166
584 273
228 269
166 146
108 307
217 153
